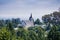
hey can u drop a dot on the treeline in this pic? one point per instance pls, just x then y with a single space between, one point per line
32 33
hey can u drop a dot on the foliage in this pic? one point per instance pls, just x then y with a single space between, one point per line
37 22
54 34
52 18
36 33
4 34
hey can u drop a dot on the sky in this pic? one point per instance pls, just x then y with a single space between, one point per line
23 8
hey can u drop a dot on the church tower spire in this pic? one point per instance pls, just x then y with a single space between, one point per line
31 18
31 15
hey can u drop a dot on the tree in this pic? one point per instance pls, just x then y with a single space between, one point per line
40 33
9 25
4 34
32 35
22 34
37 22
52 18
54 34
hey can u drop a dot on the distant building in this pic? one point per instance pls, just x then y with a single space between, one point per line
28 23
23 23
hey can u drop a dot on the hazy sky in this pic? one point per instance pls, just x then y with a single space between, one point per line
23 8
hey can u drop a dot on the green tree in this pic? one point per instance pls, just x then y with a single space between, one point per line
9 25
54 34
22 34
4 34
37 21
40 33
32 35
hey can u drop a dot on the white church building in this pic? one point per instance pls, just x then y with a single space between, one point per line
28 23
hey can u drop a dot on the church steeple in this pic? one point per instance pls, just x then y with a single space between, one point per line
31 18
31 15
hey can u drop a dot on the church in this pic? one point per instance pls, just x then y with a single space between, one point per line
28 23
